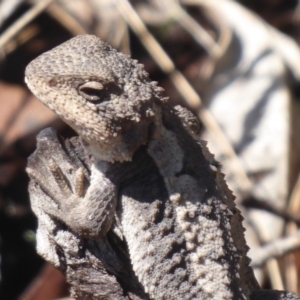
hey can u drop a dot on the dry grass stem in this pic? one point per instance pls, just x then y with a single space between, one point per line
23 21
277 248
66 20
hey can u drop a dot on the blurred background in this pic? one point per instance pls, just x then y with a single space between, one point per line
235 64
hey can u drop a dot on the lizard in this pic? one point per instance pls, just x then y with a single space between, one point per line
151 177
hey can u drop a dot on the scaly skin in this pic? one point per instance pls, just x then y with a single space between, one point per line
184 233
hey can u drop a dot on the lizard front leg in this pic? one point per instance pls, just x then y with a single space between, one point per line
95 269
87 212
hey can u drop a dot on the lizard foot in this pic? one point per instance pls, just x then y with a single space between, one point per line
86 208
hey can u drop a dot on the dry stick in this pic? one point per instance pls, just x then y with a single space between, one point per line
7 7
173 10
23 37
290 260
23 21
290 265
199 34
193 28
272 265
295 196
276 248
287 215
181 84
66 19
214 49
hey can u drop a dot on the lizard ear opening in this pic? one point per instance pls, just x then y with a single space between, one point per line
92 90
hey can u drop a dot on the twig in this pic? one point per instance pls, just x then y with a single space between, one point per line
295 195
23 37
23 21
286 215
276 248
173 10
66 19
7 7
290 267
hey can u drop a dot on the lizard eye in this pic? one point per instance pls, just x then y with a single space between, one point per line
92 90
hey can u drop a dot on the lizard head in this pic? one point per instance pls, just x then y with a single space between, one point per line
104 95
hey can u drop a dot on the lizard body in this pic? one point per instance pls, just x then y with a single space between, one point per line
151 174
